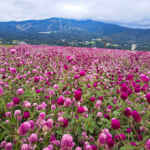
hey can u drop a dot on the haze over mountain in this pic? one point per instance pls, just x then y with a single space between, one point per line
54 30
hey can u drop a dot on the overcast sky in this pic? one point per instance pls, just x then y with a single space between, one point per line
135 13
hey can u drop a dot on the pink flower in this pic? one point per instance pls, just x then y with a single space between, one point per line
99 114
102 138
147 145
49 123
98 104
25 147
27 104
67 142
50 147
20 91
8 114
68 102
33 138
53 107
13 51
8 146
78 148
12 70
17 114
42 115
24 128
115 123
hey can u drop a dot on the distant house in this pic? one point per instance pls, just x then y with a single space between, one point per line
133 47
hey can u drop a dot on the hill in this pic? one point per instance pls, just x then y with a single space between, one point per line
60 31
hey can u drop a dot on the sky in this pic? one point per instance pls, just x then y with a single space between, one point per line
131 13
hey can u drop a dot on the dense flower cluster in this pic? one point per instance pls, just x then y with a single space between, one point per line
64 98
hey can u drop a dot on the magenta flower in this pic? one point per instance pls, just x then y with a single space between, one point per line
92 99
36 79
82 73
65 67
16 100
76 76
115 123
130 77
148 97
110 142
122 136
124 95
65 123
94 147
128 112
1 91
80 109
144 78
37 91
26 114
42 115
60 100
128 130
78 94
136 116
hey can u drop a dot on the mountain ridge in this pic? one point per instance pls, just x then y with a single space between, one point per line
54 30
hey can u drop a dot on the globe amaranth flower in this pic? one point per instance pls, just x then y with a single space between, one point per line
147 145
115 123
136 116
24 128
67 142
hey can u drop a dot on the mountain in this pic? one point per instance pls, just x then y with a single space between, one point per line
64 31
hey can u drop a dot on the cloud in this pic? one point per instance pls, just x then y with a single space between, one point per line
134 13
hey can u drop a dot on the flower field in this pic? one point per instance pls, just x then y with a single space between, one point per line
64 98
